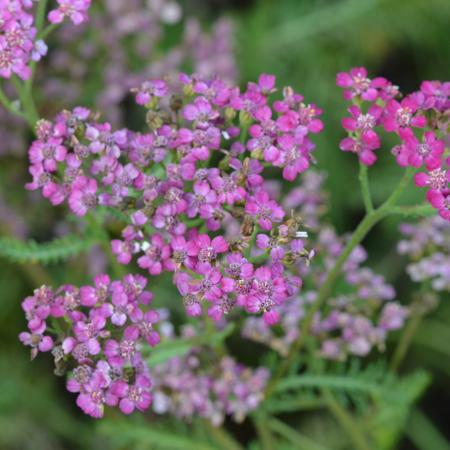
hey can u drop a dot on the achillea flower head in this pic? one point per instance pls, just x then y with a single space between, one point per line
122 169
419 121
107 371
19 43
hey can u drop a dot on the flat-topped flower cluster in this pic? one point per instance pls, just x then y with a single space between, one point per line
98 332
177 204
420 120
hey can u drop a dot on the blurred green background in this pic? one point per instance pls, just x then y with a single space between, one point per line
305 43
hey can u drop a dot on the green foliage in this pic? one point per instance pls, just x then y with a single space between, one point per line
151 436
424 434
57 250
383 400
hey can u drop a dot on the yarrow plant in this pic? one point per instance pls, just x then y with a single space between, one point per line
216 199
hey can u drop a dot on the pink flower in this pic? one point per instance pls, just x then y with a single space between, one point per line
157 255
48 153
363 146
360 121
202 195
205 249
356 83
83 196
402 115
37 342
266 211
134 396
120 353
151 89
436 179
200 111
93 395
441 201
76 10
429 151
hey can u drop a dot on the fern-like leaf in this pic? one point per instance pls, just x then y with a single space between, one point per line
45 253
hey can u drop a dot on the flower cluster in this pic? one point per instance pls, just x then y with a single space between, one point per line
75 10
98 331
175 203
420 121
202 384
428 246
19 40
18 44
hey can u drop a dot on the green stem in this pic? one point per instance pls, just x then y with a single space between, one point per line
29 108
8 105
345 420
365 188
414 211
47 30
404 342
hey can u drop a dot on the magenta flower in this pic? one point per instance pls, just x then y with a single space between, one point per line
92 397
157 255
441 201
294 160
149 90
37 342
202 195
402 115
120 353
206 249
200 111
356 83
362 122
363 146
266 211
124 250
83 196
134 396
436 179
48 153
90 296
75 10
427 152
143 324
